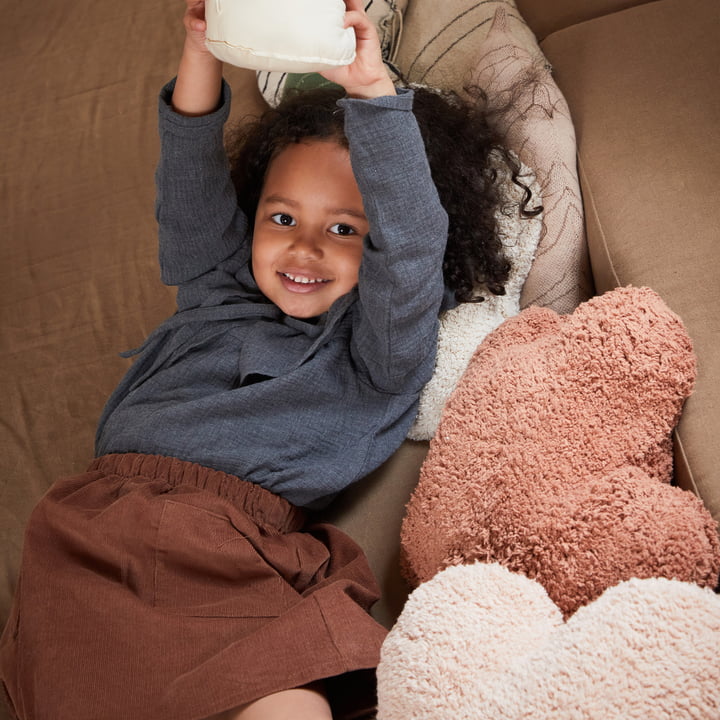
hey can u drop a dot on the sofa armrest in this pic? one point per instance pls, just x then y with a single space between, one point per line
642 88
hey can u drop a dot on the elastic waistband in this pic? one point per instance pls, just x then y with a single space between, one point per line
264 506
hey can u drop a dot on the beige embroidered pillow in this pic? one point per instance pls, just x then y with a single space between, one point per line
536 124
440 40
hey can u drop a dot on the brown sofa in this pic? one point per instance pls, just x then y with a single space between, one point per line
79 271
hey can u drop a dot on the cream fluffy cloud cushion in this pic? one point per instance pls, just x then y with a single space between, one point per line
478 642
463 328
287 35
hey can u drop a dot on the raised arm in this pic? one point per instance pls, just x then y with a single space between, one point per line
199 77
202 233
198 90
401 282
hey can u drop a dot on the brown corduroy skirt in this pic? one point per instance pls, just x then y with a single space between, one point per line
157 589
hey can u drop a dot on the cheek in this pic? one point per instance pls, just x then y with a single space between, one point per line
261 251
350 262
255 263
260 266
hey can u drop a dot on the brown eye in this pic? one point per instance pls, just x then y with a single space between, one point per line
342 229
283 219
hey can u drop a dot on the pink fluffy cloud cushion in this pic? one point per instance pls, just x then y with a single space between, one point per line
480 642
553 456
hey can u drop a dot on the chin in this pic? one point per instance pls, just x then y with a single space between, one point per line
303 313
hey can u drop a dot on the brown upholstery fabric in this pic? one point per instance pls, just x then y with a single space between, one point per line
547 16
78 276
78 272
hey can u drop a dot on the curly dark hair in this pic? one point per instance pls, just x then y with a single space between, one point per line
466 161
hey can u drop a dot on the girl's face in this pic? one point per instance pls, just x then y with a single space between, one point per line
309 228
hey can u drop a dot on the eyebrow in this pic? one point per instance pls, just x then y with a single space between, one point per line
334 211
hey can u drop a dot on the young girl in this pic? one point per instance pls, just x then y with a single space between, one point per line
179 577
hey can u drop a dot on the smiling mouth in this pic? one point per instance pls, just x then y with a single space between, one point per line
303 279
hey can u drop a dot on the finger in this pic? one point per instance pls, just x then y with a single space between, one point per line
195 13
193 24
359 21
194 18
355 5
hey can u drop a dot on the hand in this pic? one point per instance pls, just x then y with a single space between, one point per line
366 76
195 27
199 78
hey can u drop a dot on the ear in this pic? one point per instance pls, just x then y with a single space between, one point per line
281 35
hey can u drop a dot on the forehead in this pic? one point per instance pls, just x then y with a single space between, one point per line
312 168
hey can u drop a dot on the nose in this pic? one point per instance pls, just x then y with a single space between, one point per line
306 244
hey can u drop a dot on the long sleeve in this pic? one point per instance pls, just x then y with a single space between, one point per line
401 283
200 225
300 407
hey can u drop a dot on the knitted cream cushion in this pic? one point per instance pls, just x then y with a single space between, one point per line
287 35
478 642
463 328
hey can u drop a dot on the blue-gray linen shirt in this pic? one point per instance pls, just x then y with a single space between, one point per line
303 408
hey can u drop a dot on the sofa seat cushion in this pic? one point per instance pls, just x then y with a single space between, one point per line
642 85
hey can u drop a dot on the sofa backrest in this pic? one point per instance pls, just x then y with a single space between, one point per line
547 16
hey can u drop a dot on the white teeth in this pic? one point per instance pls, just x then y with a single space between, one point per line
303 280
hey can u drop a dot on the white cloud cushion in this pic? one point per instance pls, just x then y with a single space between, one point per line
284 35
479 642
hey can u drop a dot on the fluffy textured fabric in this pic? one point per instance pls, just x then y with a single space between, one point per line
463 328
478 642
553 455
